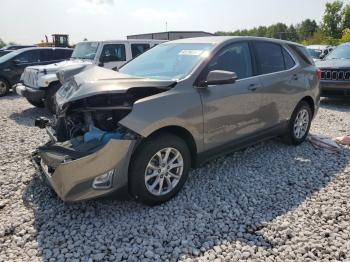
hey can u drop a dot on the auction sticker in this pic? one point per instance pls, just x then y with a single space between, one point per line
191 52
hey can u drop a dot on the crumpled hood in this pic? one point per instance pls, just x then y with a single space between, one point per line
97 80
53 68
334 64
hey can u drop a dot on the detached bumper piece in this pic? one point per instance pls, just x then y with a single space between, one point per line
34 94
79 170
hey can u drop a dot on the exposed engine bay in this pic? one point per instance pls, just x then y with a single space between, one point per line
96 116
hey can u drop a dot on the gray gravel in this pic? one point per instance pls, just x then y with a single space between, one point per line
270 202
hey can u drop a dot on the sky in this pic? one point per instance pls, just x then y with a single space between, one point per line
28 21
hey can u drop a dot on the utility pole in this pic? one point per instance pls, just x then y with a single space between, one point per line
166 26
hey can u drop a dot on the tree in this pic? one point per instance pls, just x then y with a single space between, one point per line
346 17
2 43
292 34
332 19
346 36
307 28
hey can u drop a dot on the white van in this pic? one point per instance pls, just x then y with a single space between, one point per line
39 84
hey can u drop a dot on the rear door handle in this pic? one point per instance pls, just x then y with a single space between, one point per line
253 87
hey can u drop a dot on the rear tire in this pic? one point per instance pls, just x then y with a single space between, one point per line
50 102
159 168
39 103
299 124
4 87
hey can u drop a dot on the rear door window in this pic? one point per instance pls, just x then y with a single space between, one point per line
32 56
113 53
47 55
234 58
269 57
137 49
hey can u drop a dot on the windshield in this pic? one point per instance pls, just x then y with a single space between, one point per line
85 50
8 56
340 52
169 61
314 53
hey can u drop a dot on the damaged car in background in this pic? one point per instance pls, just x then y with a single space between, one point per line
170 109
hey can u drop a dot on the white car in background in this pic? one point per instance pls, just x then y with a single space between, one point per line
318 52
40 83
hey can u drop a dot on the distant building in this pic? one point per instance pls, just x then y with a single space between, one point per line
170 35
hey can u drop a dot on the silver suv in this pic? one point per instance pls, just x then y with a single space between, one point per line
172 108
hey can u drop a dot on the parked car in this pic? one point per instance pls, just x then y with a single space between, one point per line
13 64
172 108
40 83
335 72
318 52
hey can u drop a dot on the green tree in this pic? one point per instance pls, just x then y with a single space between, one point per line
346 36
292 34
332 19
306 29
346 17
2 43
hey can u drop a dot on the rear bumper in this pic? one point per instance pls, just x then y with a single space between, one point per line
33 94
72 179
335 88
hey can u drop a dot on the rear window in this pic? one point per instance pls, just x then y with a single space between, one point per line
270 57
302 53
288 60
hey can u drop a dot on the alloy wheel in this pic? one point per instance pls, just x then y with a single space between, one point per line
301 123
164 170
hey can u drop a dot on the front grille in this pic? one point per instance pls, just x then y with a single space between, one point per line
29 77
335 74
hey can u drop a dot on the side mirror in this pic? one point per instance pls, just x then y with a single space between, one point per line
219 77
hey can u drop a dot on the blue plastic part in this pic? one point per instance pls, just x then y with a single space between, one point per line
104 137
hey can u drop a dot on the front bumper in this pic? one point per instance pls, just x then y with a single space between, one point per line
335 88
34 94
72 179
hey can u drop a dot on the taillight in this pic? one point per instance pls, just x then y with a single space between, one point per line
318 73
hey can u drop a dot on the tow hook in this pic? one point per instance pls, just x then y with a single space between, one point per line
41 122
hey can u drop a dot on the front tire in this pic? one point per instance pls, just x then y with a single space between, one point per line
299 124
4 87
159 169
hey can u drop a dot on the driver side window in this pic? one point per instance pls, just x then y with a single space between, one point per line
234 58
113 53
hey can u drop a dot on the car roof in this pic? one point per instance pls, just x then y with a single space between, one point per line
41 48
126 41
222 39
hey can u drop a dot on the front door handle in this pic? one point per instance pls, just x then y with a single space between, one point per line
253 87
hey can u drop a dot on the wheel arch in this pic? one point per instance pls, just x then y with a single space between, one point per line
309 100
182 133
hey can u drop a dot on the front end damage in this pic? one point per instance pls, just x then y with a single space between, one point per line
89 152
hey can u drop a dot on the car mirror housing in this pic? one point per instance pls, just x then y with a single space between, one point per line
219 77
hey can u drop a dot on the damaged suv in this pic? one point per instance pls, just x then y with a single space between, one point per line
172 108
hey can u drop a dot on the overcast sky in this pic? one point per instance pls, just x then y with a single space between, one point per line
27 21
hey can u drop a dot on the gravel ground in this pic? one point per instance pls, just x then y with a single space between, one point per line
270 202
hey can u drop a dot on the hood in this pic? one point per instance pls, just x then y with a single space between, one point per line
53 68
97 80
334 64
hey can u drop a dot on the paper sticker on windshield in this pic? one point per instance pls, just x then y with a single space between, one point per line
191 52
94 44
